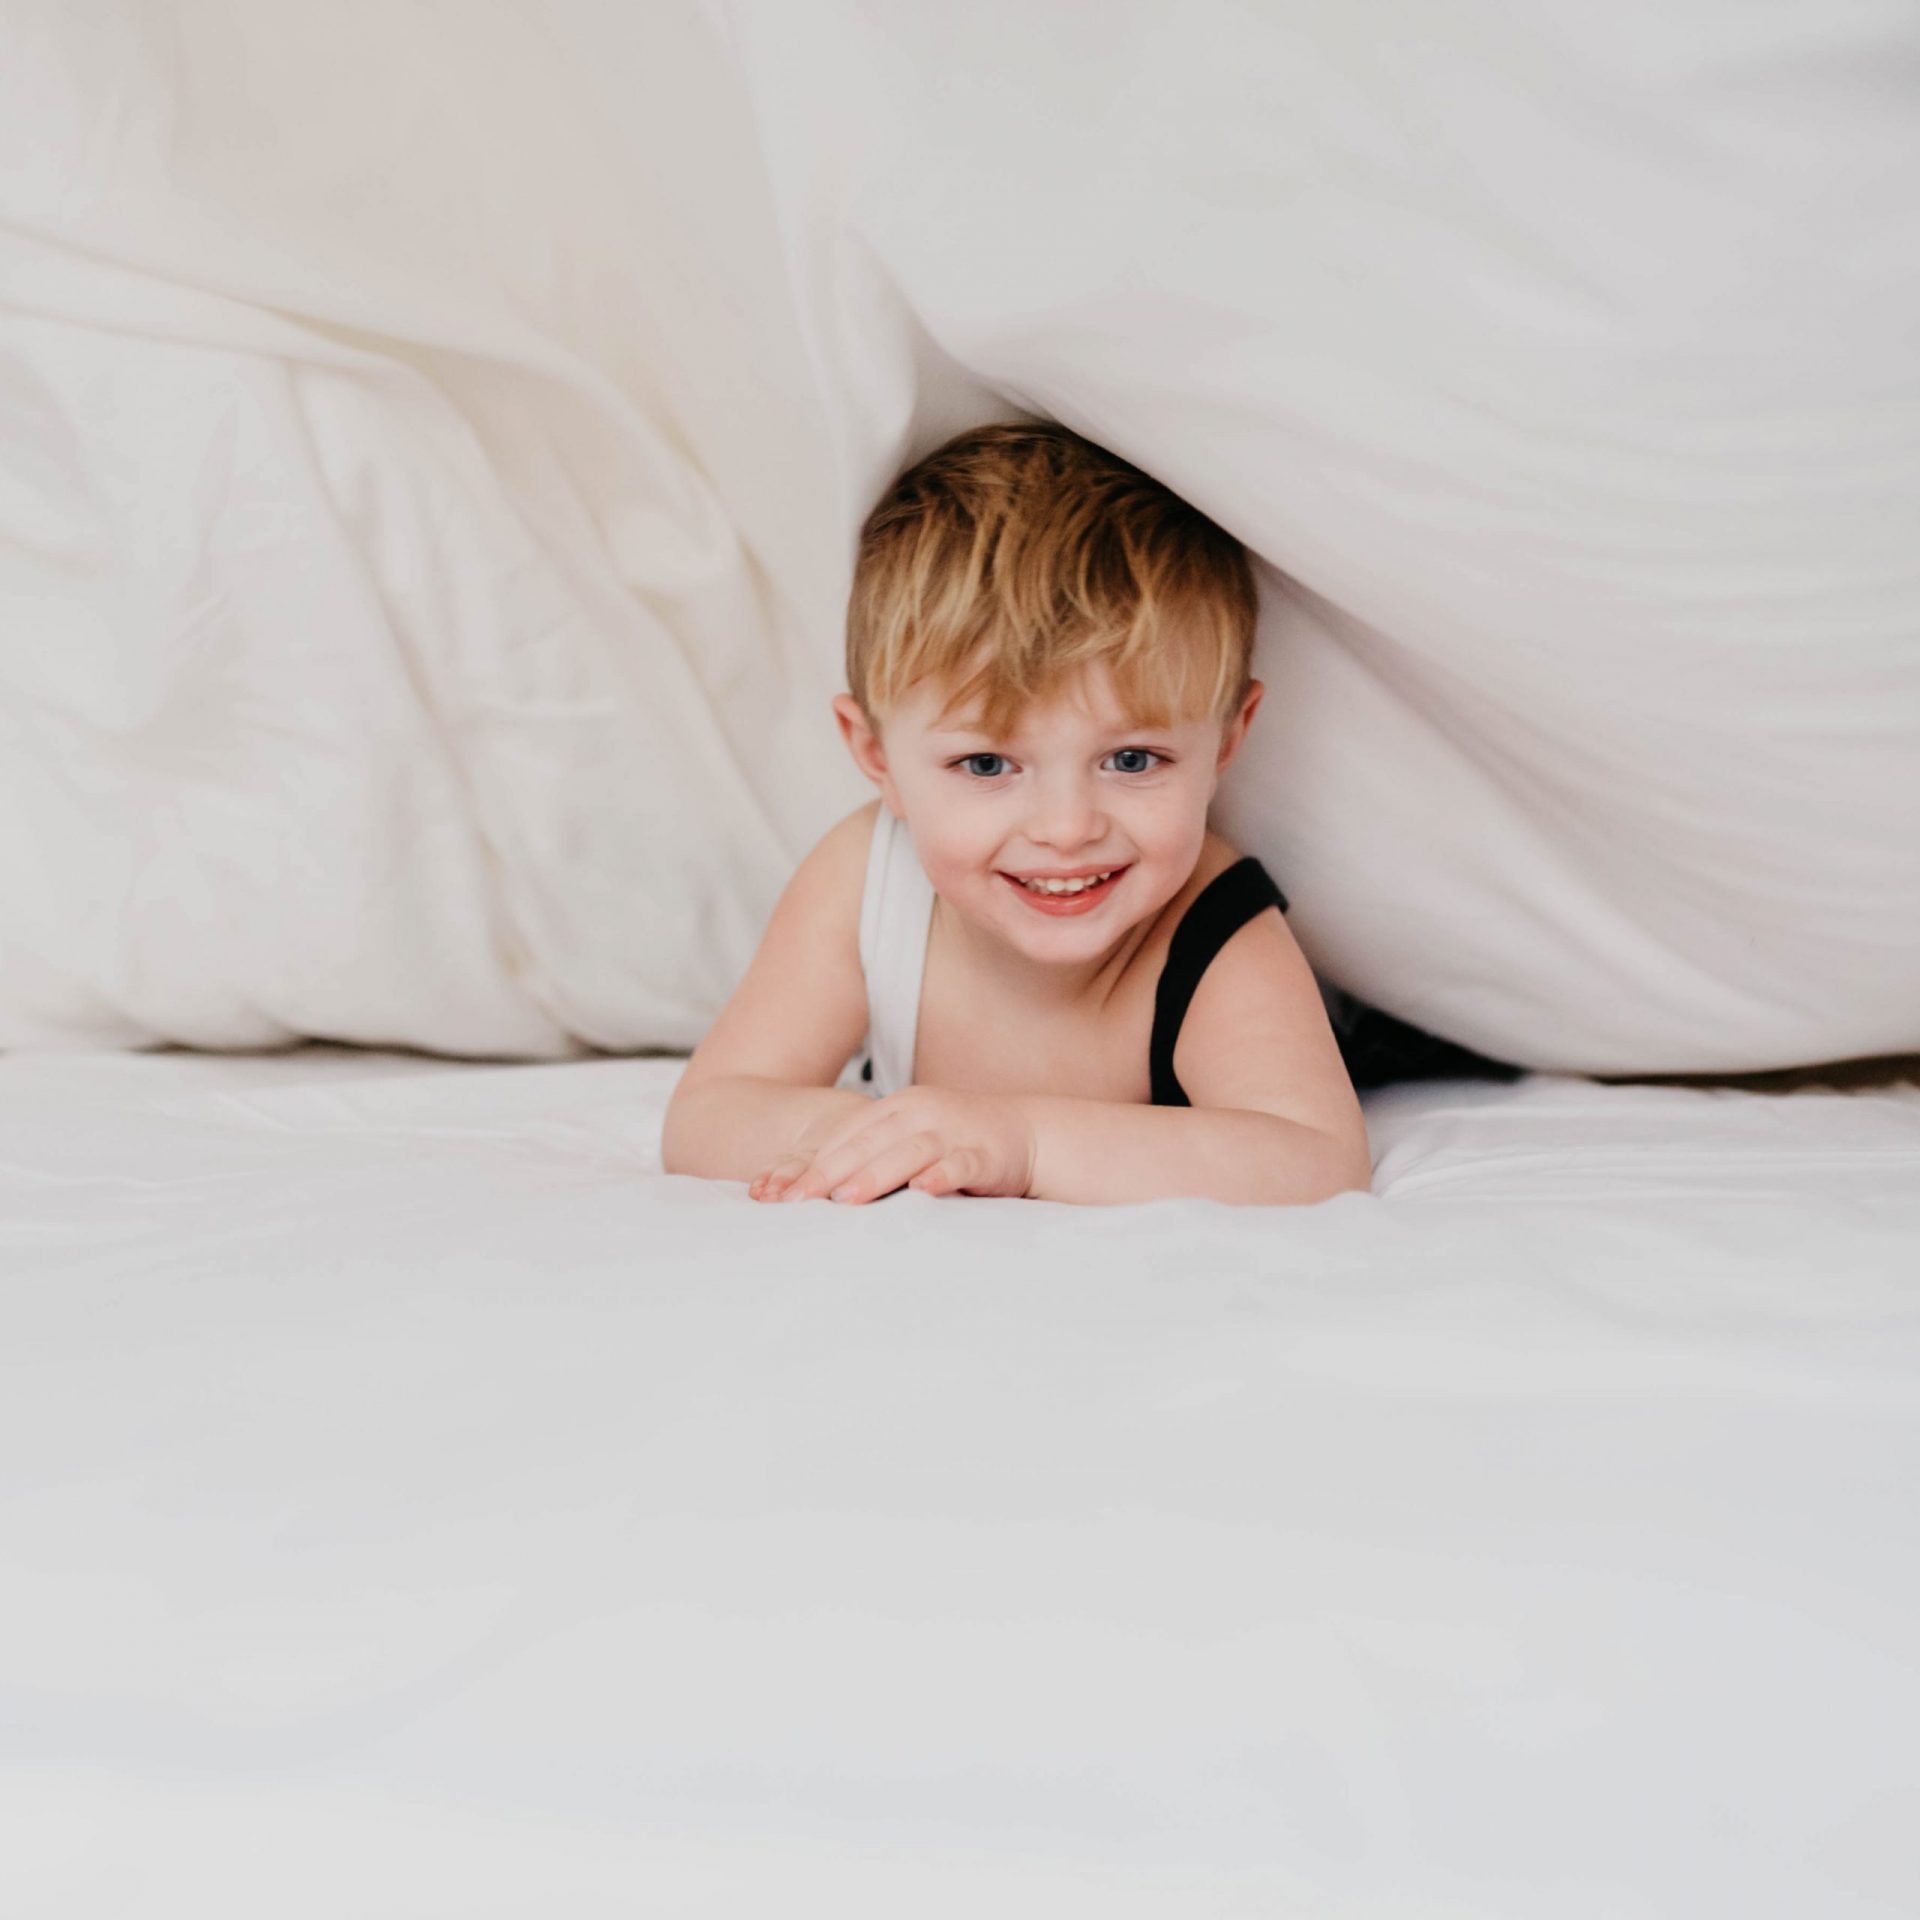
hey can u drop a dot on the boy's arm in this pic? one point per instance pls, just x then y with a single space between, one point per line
1274 1120
732 1126
1107 1153
1044 1146
761 1084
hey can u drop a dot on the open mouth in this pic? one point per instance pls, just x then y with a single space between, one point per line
1082 899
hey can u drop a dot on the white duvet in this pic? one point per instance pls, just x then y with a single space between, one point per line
431 440
412 1503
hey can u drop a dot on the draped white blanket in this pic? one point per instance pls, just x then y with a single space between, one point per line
431 440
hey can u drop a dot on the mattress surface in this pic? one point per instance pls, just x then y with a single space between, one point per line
413 1502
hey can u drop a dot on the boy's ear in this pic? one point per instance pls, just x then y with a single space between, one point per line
865 746
1236 728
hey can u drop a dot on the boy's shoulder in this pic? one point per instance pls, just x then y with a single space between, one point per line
858 825
844 846
834 875
801 1008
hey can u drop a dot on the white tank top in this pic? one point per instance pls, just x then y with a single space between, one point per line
896 915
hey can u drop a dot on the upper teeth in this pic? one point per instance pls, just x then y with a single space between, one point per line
1069 886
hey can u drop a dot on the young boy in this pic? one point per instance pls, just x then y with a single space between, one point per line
1068 987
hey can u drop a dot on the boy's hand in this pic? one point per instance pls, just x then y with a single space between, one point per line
933 1139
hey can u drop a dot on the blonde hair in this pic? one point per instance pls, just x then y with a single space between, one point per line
1052 554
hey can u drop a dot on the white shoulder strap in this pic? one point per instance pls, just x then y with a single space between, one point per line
896 915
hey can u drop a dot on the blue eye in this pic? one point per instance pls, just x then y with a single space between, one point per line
972 757
1145 752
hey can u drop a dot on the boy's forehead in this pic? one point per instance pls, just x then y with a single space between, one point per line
1035 719
1101 716
1088 697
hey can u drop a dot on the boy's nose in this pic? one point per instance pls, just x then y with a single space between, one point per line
1065 818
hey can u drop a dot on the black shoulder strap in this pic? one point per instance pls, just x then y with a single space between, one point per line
1221 908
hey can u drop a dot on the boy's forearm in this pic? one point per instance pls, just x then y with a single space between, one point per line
736 1125
1106 1153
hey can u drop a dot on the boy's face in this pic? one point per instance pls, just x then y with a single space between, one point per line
1075 787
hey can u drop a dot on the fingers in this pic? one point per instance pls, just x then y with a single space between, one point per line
832 1164
891 1167
791 1177
865 1164
948 1174
773 1184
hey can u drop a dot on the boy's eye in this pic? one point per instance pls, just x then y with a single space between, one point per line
991 772
1137 753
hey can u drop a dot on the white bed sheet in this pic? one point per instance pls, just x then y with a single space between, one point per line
414 1503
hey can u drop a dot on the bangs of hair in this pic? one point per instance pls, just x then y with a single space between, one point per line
1014 556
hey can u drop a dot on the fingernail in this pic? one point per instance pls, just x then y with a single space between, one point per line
839 1193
